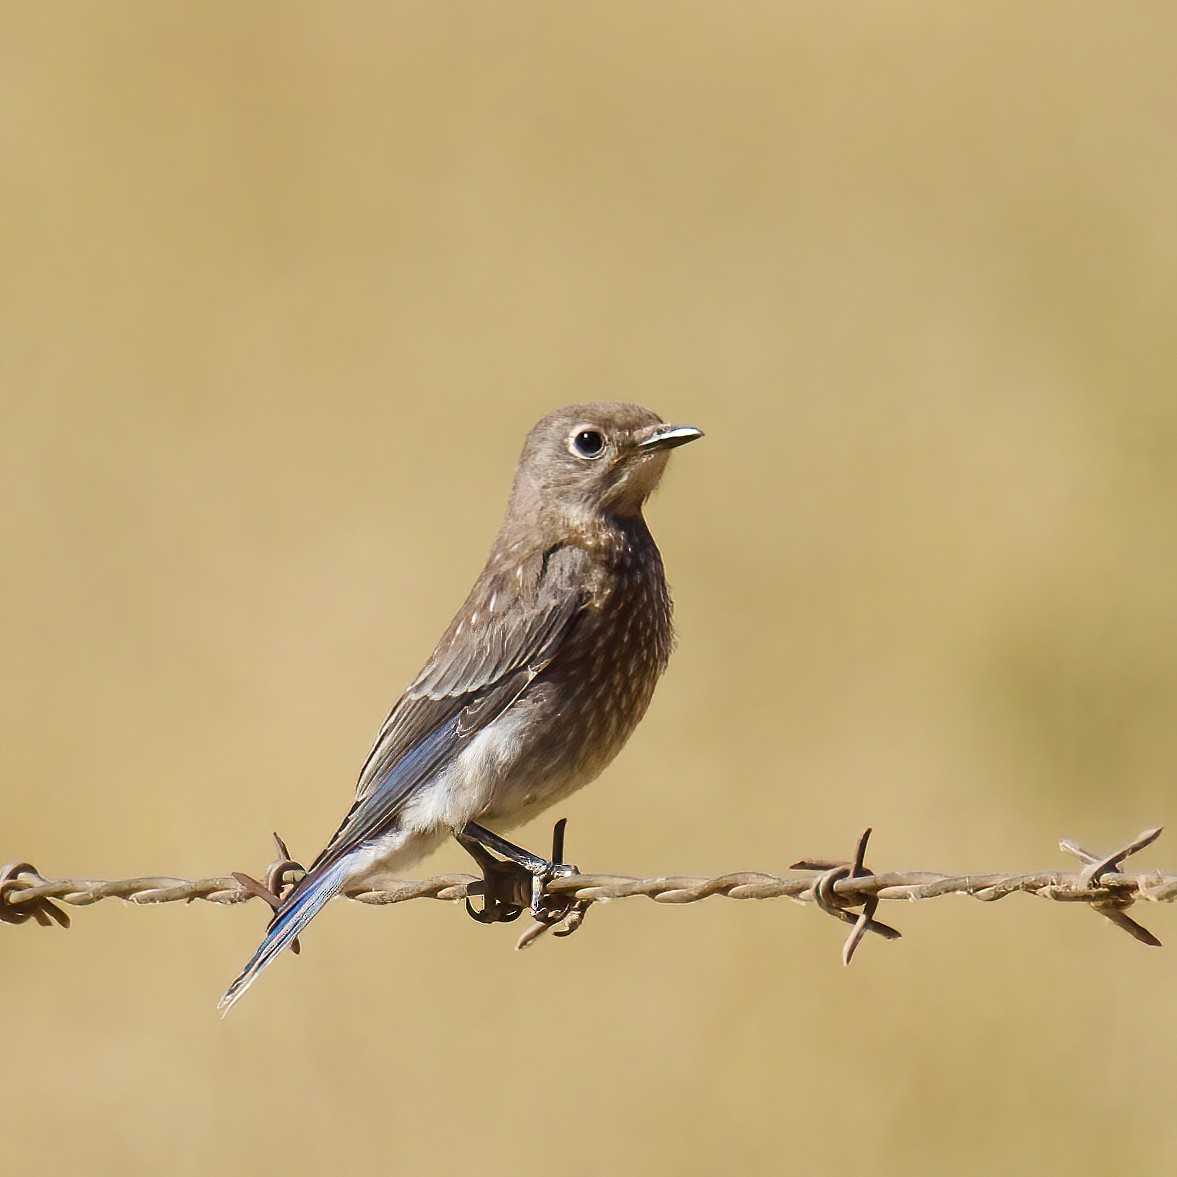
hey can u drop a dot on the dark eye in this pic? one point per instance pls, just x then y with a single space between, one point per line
587 443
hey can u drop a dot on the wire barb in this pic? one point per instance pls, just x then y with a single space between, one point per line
828 899
41 909
278 883
1095 873
559 915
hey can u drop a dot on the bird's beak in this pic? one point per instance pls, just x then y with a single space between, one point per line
665 437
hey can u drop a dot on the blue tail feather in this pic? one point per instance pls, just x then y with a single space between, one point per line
288 924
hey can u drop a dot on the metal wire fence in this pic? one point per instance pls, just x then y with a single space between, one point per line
848 890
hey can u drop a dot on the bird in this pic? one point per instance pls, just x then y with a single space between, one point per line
539 680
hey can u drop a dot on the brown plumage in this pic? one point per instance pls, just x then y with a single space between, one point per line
543 673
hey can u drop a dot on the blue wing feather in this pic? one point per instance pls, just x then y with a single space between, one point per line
470 680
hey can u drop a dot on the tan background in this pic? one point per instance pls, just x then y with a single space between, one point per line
283 287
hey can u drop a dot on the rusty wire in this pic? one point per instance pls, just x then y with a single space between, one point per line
836 887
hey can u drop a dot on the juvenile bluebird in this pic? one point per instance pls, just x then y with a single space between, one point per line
540 678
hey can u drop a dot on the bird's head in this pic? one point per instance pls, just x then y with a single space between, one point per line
592 458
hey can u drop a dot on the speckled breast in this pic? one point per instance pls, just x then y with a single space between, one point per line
587 702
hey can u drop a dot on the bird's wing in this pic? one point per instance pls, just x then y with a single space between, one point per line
506 633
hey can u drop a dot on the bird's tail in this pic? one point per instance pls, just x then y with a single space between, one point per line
287 924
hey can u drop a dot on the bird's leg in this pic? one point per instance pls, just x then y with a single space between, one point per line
532 863
519 879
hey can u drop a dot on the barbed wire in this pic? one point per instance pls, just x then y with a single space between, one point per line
836 887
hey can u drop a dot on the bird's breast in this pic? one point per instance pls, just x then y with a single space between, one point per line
578 713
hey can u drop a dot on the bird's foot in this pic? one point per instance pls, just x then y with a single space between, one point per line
277 882
519 880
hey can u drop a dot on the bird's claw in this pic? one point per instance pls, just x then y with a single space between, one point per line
550 911
503 886
561 915
511 885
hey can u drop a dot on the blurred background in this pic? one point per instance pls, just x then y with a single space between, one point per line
283 287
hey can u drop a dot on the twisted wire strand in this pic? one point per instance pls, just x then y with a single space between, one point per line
836 888
1156 886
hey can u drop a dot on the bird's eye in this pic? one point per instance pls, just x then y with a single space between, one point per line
587 443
